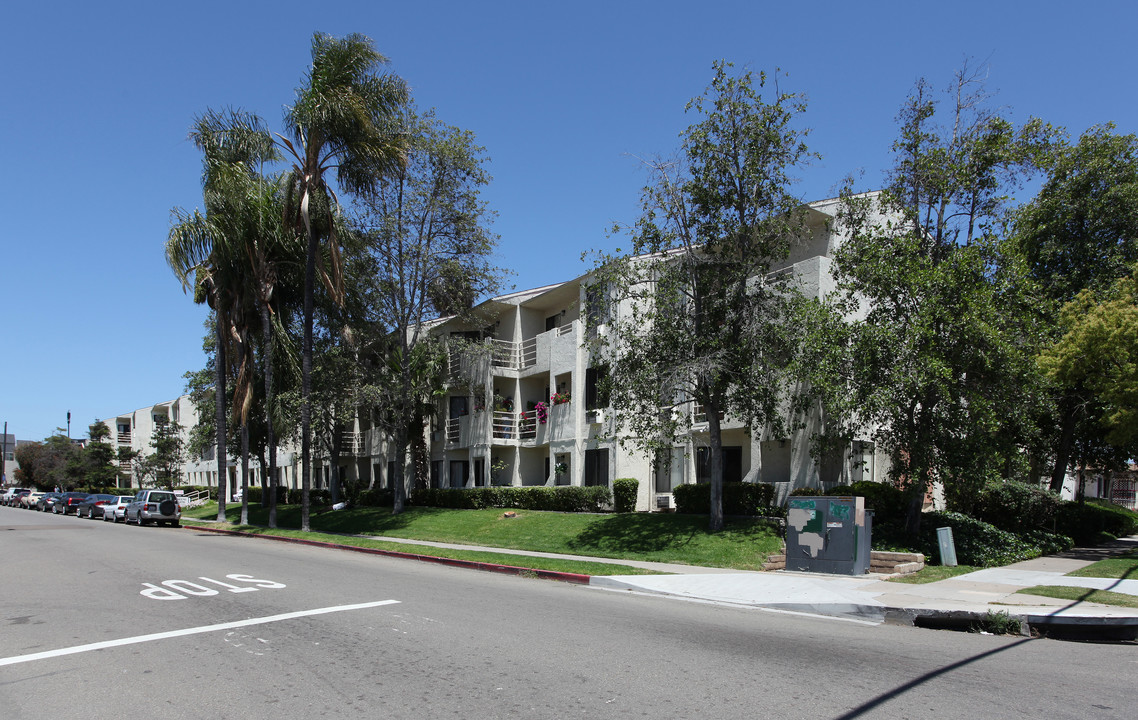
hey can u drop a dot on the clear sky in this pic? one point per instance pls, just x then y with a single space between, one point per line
97 99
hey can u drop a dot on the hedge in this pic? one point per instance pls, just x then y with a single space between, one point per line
560 499
977 542
624 494
1088 522
739 498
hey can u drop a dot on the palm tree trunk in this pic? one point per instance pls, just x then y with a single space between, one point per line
269 484
244 473
219 416
306 386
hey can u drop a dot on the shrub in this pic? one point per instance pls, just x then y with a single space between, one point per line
1015 506
805 492
738 498
624 494
1085 523
561 499
977 542
375 497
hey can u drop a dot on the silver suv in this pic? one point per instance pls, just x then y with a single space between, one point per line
157 506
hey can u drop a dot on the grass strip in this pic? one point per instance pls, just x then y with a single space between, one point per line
1065 592
744 544
1123 568
526 561
932 573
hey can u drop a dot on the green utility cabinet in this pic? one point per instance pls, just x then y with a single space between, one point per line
828 535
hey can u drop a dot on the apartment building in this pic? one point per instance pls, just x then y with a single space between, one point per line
522 406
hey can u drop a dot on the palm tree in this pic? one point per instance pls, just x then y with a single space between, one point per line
212 248
344 118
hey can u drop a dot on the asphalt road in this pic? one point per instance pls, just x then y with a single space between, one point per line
113 621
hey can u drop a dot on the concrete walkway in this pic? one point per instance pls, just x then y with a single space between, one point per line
870 598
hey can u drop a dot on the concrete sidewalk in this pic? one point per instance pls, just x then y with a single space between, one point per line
870 598
955 601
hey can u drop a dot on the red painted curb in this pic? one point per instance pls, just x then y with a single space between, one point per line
576 578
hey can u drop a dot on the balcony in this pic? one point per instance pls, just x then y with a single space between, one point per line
124 438
514 426
352 443
513 356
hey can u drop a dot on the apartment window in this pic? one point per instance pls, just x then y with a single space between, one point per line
479 472
597 467
669 470
436 472
732 464
390 473
458 406
596 307
459 473
596 388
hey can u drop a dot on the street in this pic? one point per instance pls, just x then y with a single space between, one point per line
112 621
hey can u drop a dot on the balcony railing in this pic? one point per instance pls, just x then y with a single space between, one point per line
454 430
512 355
512 426
352 443
124 438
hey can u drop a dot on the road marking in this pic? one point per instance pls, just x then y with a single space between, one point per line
189 631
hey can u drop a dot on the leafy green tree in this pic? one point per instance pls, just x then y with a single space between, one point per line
1098 355
942 357
163 466
342 118
27 455
426 230
59 463
98 456
706 324
1081 233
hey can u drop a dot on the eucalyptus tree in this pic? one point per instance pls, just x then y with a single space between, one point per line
426 231
700 320
343 119
209 251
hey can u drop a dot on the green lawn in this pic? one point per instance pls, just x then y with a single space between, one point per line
682 539
1125 568
1064 592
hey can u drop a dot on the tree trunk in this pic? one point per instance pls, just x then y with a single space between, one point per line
1063 452
244 473
399 483
269 483
219 417
715 436
306 384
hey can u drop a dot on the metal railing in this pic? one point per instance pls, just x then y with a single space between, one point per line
352 443
513 426
512 355
453 430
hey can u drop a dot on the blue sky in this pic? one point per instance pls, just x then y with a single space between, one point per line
98 98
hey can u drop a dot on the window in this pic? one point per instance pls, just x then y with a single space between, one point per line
596 388
436 473
669 470
459 473
732 464
479 472
458 406
597 467
390 474
596 307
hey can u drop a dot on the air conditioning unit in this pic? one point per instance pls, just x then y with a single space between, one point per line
595 416
663 502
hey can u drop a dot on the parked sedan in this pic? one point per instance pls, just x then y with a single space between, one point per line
68 502
45 502
28 502
116 509
92 505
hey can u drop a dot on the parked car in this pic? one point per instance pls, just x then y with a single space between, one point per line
10 493
68 502
92 505
116 509
28 502
45 502
157 506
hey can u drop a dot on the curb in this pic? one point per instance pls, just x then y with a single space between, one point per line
575 578
1071 627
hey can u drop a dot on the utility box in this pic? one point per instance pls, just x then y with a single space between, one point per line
828 535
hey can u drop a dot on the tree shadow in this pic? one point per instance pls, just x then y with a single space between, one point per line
644 533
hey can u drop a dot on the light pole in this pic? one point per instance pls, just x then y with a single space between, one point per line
68 424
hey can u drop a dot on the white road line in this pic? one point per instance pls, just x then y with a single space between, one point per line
189 631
